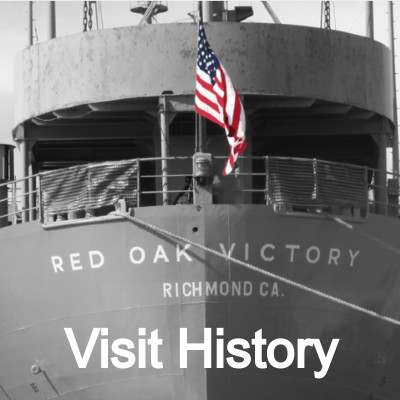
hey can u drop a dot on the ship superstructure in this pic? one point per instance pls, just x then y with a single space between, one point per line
124 210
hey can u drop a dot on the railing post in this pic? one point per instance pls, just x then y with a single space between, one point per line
25 183
381 184
366 194
138 183
32 198
3 203
39 197
238 182
14 202
393 197
88 210
164 139
267 189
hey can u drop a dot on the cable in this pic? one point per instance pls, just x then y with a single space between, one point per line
262 271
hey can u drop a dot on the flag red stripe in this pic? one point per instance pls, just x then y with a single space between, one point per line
207 101
236 116
205 114
205 84
222 100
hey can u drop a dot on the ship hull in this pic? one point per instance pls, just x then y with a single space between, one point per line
123 276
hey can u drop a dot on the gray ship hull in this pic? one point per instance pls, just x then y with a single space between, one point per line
122 276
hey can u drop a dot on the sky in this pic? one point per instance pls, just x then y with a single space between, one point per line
348 16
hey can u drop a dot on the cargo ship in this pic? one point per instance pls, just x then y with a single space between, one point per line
122 224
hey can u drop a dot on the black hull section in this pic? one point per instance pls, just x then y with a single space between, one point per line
117 275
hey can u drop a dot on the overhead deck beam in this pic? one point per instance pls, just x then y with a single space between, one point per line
321 127
75 133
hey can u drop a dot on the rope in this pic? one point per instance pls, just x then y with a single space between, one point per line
262 271
362 233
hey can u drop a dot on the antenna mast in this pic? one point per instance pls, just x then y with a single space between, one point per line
30 24
395 140
370 18
52 19
326 14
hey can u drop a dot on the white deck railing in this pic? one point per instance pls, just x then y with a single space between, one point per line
288 184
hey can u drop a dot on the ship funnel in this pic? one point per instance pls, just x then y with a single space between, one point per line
6 175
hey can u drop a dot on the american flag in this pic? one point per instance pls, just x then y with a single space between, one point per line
217 99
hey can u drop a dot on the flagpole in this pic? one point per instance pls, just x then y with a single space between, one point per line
202 133
201 128
196 133
200 6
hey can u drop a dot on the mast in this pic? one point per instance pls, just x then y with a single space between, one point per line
52 19
381 194
395 119
369 18
30 24
326 14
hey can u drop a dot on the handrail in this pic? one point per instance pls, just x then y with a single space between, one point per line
289 184
22 179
